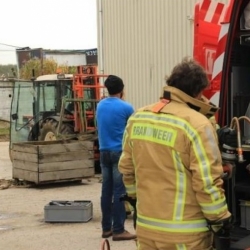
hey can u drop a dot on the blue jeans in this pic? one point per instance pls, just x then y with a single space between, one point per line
113 210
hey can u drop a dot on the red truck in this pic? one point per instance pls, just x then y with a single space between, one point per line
222 46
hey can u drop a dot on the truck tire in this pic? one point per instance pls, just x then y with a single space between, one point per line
49 127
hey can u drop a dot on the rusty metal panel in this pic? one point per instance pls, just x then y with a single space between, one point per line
142 40
25 54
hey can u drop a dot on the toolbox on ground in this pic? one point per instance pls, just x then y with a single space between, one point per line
68 211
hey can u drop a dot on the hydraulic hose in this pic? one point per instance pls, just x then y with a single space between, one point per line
235 124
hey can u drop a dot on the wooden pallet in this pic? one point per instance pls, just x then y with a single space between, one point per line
53 161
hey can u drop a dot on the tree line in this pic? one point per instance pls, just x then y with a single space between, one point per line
8 71
35 66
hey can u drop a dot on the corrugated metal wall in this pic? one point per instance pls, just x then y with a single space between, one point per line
141 41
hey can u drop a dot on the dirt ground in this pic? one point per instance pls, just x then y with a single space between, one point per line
22 225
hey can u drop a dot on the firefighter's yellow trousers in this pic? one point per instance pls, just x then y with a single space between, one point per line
202 243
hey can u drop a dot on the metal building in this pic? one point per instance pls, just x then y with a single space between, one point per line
62 57
141 41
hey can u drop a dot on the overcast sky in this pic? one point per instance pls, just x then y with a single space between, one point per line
47 24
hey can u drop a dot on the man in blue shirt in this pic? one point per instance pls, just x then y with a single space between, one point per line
112 115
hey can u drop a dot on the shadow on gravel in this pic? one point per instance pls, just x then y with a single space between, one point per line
15 183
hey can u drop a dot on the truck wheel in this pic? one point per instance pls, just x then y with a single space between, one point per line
49 127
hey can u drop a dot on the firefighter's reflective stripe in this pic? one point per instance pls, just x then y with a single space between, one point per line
130 189
194 137
154 133
172 226
125 135
181 247
177 246
215 208
181 182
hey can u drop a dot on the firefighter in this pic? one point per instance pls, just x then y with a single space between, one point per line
171 165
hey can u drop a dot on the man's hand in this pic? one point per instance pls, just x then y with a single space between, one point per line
131 200
227 136
221 230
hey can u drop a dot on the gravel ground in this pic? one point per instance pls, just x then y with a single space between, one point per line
22 225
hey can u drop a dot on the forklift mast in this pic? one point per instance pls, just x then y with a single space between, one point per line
88 89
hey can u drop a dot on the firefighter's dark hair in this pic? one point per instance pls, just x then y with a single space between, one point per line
188 76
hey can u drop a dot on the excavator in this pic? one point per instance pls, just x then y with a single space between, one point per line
57 107
222 46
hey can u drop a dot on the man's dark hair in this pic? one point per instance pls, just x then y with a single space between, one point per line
188 76
114 84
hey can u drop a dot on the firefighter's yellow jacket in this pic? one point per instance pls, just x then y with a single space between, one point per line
172 165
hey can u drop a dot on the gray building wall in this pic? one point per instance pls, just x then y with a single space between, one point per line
142 40
6 92
67 59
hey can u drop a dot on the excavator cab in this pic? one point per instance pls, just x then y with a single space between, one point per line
50 90
35 101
